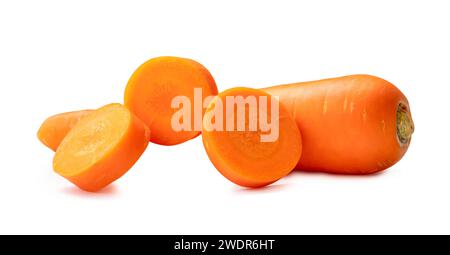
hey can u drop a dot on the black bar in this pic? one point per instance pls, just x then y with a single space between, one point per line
228 244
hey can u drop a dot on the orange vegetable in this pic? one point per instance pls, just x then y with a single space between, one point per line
241 156
356 124
54 129
101 147
152 87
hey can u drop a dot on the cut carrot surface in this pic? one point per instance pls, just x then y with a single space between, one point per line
153 86
54 129
241 156
357 124
101 147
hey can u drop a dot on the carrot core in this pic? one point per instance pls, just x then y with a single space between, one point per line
405 124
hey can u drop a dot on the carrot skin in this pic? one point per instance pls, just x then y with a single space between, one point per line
349 124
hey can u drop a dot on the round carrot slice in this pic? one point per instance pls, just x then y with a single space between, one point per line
101 147
242 155
153 86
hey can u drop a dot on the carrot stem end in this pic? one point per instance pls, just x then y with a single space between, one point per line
405 124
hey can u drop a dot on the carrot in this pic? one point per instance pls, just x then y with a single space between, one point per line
357 124
152 87
241 155
54 129
101 147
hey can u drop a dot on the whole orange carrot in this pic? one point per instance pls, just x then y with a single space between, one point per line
355 124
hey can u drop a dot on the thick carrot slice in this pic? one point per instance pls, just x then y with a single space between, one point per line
55 128
356 124
101 147
153 86
241 156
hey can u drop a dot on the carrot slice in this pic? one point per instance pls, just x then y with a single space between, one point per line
101 147
152 87
356 124
55 128
242 156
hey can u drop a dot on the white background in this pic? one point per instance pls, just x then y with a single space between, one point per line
58 56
